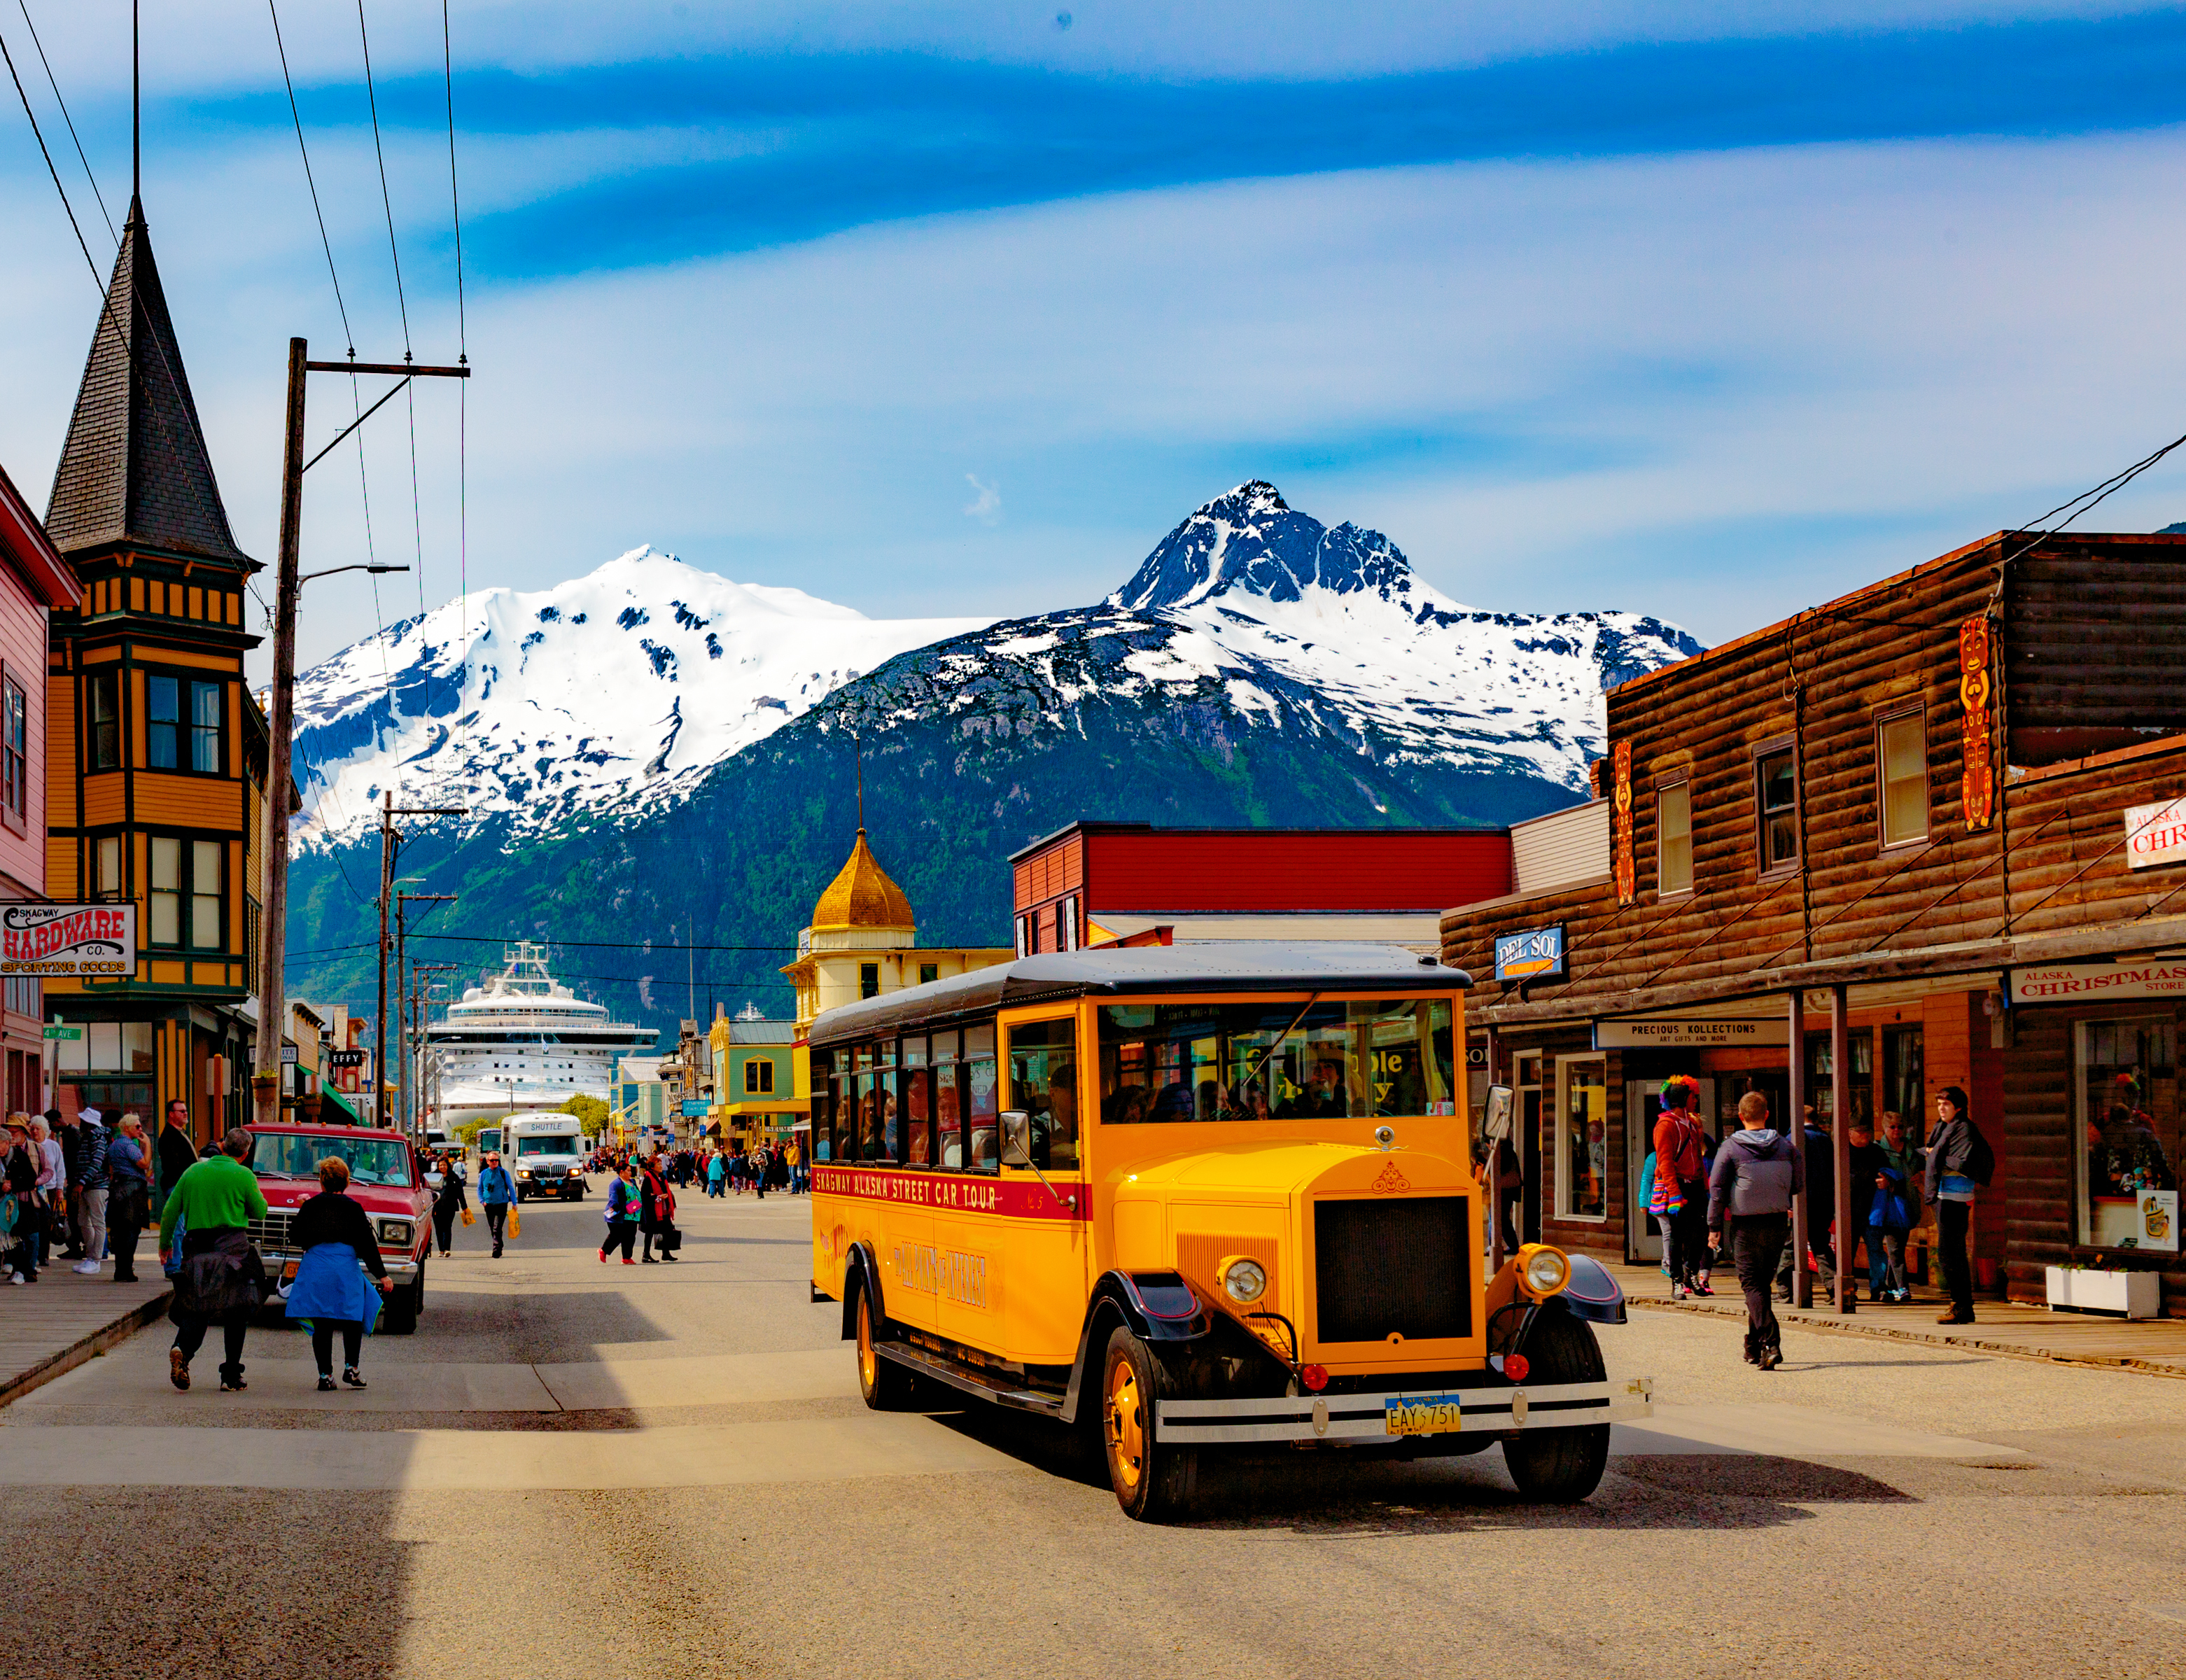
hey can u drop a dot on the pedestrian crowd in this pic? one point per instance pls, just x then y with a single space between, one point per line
73 1189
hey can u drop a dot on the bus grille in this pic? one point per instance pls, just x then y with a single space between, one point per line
1384 1268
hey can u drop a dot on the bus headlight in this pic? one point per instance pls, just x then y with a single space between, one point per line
1542 1270
1244 1281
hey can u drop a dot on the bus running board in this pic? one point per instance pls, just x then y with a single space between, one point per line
970 1381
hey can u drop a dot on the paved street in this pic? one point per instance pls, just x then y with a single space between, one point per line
665 1471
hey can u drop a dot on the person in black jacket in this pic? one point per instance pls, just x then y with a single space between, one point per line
334 1235
177 1154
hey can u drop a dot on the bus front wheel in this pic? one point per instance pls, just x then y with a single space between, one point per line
1560 1466
1154 1482
885 1384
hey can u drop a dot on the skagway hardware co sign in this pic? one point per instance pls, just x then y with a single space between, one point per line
69 942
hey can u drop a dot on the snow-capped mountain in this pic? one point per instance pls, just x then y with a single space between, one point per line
1261 615
1251 622
616 689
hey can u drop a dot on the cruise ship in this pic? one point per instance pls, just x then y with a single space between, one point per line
523 1041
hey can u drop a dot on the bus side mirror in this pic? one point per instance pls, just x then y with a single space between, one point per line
1017 1138
1495 1119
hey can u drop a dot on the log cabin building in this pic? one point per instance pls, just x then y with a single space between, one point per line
156 747
1930 834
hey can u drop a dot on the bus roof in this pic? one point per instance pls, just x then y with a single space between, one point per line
1217 965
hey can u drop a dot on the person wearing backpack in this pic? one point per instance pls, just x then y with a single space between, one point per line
1678 1198
1959 1162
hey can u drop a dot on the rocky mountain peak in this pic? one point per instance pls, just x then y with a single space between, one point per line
1250 542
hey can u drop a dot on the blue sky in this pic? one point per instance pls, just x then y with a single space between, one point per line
1706 311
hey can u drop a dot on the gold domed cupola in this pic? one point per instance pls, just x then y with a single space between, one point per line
861 896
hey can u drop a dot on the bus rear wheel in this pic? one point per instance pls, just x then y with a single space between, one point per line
1560 1466
883 1384
1154 1482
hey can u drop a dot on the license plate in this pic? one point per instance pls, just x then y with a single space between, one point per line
289 1273
1421 1414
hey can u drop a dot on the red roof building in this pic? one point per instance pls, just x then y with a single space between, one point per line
1095 883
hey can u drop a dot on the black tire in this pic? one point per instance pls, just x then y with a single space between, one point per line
1560 1466
404 1305
883 1384
1153 1481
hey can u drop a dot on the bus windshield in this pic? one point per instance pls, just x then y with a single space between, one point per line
372 1158
553 1143
1350 1058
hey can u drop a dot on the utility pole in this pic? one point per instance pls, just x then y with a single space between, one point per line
391 843
402 901
266 1079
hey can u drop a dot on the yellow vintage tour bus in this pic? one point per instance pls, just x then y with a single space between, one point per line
1202 1197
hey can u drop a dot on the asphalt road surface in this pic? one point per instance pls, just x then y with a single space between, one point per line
574 1470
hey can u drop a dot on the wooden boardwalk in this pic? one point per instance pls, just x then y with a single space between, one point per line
2155 1345
54 1324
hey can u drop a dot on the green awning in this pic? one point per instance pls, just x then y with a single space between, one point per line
343 1115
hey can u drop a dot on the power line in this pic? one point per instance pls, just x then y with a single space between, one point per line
23 7
2088 499
387 202
325 244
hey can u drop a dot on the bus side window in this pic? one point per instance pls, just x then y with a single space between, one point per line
1043 1084
982 1151
948 1051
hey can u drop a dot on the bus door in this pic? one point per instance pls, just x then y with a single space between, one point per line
1045 1196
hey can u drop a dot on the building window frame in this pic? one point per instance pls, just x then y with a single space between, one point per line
1027 933
2102 1136
175 894
14 752
102 703
759 1076
1680 790
1917 711
195 737
1767 865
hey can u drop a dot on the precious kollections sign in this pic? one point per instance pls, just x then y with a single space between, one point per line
1690 1034
2155 834
2091 982
69 942
1533 953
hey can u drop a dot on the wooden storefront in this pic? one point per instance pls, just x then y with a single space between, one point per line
1919 794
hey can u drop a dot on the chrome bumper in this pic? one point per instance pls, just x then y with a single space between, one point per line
1356 1419
278 1262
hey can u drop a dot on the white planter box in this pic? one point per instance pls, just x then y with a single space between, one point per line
2116 1295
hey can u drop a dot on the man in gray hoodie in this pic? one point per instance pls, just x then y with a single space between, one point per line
1757 1172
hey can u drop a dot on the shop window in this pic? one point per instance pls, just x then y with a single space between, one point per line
106 721
2127 1079
1673 839
1582 1140
1821 1077
1044 1084
1901 752
1776 796
1904 1081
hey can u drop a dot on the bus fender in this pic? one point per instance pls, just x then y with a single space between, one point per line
1153 1306
862 1270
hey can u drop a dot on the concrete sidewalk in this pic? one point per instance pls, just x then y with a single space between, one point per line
2157 1347
54 1324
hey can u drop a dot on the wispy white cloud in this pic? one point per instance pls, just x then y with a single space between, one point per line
987 505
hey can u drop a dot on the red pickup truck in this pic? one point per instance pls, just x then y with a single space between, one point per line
384 1174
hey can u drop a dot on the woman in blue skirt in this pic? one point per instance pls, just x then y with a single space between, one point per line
330 1292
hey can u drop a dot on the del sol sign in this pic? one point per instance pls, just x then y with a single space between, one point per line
1531 953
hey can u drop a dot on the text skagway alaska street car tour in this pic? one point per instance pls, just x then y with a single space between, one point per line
1211 1195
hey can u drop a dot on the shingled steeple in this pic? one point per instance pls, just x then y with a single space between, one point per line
134 472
